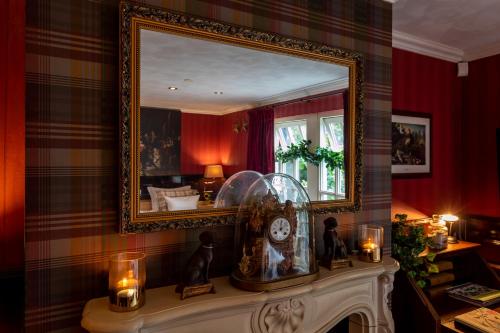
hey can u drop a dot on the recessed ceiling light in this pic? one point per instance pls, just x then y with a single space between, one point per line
173 88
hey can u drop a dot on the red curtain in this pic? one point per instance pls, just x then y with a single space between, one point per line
260 154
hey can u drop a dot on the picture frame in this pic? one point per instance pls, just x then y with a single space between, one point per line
411 153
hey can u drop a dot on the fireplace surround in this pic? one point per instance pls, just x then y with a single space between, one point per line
361 292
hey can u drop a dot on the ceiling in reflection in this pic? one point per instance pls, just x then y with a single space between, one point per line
216 78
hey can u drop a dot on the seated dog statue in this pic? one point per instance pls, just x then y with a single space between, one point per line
194 279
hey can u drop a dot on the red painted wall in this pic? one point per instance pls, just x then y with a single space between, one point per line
199 142
429 85
210 139
12 129
314 105
233 146
481 119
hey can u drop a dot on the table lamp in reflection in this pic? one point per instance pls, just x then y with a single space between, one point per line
213 179
451 219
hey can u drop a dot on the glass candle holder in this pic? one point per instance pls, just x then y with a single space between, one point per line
371 242
127 278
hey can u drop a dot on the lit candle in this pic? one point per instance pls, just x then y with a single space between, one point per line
126 293
371 250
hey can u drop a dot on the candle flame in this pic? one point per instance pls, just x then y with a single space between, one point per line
370 245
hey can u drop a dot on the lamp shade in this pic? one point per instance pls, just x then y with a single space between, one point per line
213 171
449 218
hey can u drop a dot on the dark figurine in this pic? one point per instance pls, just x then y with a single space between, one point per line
330 238
335 250
195 276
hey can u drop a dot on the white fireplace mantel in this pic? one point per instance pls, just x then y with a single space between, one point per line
360 293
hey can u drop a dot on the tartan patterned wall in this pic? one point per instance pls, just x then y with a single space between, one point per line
72 140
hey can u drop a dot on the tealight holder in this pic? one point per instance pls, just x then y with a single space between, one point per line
127 280
371 242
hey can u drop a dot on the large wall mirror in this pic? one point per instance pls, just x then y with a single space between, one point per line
204 100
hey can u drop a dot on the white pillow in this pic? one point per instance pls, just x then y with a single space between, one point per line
182 203
154 191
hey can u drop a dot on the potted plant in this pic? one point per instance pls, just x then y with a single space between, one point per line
408 241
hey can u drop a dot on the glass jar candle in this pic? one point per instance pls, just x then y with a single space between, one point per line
127 279
371 242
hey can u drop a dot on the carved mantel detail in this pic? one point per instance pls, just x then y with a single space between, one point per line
283 317
360 292
385 321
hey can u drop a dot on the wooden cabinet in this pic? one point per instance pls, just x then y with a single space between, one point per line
431 309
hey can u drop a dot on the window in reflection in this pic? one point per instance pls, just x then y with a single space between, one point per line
325 129
332 184
286 133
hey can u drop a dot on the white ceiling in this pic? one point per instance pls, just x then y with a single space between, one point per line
450 29
247 77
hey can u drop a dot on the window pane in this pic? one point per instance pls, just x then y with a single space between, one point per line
332 130
302 172
288 132
342 181
289 169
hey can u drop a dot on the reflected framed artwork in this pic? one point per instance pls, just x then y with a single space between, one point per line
411 144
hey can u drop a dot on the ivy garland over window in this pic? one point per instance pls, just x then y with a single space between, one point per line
303 150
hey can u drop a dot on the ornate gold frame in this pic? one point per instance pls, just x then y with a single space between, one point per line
134 16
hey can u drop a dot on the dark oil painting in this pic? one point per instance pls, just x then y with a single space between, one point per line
160 149
408 144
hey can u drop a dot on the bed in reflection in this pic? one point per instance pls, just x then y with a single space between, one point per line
180 192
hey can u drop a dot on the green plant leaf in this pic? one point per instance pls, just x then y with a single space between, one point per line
424 274
302 150
421 283
432 268
431 256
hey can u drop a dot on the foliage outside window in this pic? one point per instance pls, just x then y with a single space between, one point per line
315 156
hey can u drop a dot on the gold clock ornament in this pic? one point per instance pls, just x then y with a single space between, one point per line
275 235
280 229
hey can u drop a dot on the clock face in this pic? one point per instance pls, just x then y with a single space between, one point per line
280 229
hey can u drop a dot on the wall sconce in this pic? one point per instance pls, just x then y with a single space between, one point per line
450 219
240 126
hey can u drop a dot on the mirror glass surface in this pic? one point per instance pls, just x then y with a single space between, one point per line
210 109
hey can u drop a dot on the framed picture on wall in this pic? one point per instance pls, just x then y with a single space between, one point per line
411 144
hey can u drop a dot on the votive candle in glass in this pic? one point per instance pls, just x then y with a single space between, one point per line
127 280
371 242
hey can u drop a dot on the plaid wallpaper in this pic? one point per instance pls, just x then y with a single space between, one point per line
72 140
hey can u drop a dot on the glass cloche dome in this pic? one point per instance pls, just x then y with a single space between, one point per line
274 235
234 189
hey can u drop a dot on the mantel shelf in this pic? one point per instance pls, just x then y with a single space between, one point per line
231 307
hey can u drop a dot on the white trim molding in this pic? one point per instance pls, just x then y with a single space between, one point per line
426 47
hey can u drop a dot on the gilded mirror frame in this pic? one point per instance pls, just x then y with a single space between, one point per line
135 16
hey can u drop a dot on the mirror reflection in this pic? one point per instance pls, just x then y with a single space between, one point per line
209 110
